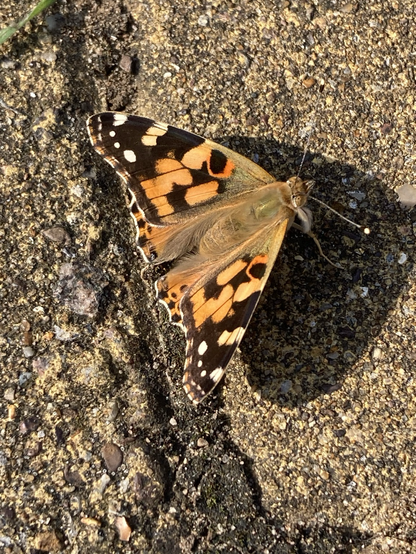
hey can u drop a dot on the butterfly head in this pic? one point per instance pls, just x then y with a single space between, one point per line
300 191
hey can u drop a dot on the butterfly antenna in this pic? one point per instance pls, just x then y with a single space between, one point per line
305 150
365 230
311 127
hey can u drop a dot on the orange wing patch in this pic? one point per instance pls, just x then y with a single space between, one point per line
195 195
163 184
216 308
166 165
172 287
151 135
229 272
217 163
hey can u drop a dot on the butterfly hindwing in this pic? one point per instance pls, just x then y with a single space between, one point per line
214 303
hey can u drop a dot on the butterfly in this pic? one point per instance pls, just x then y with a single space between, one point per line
220 215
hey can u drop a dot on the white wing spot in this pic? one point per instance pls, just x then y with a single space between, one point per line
202 348
112 134
196 386
200 363
130 156
216 374
203 373
119 119
116 145
230 337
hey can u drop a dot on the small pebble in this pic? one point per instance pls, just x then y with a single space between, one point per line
402 258
54 22
102 483
286 386
8 64
203 20
73 478
308 83
347 8
24 378
377 353
123 528
92 522
124 485
28 426
28 352
125 63
11 412
113 456
9 394
63 335
243 59
57 234
48 56
24 325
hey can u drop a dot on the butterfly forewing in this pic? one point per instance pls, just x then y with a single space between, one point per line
171 173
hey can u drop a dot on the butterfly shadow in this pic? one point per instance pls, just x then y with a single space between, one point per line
315 322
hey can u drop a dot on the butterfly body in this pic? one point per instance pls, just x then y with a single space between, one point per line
216 212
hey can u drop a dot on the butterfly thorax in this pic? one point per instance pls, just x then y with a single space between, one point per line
268 207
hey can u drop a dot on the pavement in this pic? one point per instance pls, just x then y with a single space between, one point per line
307 446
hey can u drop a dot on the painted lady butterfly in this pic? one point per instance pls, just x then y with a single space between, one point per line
218 212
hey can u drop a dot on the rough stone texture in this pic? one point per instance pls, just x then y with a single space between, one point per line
308 446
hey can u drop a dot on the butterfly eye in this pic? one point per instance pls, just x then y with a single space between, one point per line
298 200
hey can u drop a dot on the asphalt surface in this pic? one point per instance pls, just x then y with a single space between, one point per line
308 446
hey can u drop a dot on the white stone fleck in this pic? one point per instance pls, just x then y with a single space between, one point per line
402 258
